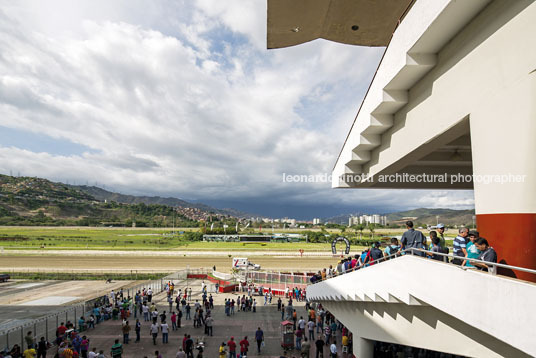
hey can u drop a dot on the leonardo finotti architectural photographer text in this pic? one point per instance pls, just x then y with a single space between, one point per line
411 178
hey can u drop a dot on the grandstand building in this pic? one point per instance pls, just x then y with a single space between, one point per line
451 106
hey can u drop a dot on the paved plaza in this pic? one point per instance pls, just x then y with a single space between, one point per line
238 325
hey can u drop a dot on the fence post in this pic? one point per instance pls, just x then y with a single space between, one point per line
46 328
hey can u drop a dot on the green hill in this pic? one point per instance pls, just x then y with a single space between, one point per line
424 217
37 201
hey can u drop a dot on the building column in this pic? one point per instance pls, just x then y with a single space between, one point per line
503 145
363 348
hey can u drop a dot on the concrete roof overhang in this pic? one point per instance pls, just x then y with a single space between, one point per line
354 22
411 54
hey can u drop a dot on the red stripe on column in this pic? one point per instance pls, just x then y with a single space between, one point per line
513 236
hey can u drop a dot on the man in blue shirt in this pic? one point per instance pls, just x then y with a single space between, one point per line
412 239
259 337
459 246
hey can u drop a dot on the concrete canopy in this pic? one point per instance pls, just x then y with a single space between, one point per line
354 22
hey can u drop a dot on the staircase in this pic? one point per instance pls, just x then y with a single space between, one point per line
424 303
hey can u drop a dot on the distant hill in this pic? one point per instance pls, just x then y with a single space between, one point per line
102 194
37 201
423 216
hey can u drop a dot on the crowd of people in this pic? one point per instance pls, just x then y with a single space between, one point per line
468 246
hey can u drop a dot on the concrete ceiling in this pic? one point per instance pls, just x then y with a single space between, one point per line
353 22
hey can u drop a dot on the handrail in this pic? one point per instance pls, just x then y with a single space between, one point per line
411 251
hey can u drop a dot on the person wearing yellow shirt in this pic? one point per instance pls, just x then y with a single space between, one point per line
29 353
222 351
345 346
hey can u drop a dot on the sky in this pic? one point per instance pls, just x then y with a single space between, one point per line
182 99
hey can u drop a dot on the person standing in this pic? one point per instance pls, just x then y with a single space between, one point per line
42 348
472 251
441 235
126 332
117 349
412 238
29 338
311 328
459 246
154 331
164 327
209 321
305 348
232 347
222 351
259 337
244 345
138 330
333 350
320 347
189 347
174 321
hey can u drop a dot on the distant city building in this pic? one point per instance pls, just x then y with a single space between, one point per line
317 221
367 219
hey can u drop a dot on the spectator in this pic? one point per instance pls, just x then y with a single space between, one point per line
232 348
126 332
320 347
29 338
299 335
488 254
42 348
180 353
244 344
412 238
311 327
459 245
305 348
333 350
222 351
164 327
393 248
29 353
472 251
117 349
374 254
154 331
440 231
436 248
259 337
138 330
189 347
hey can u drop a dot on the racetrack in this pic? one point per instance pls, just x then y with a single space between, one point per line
127 263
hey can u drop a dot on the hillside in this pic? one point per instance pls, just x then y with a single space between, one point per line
423 216
103 195
37 201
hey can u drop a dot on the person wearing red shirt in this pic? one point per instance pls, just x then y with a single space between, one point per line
232 348
61 329
244 344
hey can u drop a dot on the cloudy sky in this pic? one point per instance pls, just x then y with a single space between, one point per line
181 98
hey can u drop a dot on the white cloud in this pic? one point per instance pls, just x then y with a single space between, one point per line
196 107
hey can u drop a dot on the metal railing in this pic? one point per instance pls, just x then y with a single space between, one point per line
46 326
414 251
